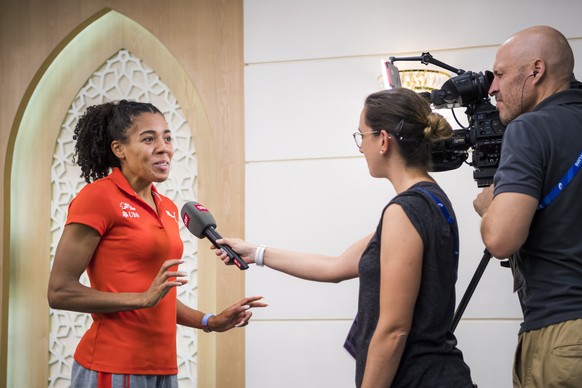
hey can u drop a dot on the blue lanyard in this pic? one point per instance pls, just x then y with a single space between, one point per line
450 219
562 184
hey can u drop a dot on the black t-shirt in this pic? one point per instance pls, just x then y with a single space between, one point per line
430 357
538 149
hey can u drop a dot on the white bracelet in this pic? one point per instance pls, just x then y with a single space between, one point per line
260 255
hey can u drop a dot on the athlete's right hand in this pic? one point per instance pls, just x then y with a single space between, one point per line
166 279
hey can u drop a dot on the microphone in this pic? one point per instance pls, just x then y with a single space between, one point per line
201 223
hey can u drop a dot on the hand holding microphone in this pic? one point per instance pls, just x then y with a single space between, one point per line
201 223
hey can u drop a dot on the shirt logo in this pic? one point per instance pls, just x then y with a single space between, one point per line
128 211
173 215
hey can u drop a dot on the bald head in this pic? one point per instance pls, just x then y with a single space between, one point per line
545 44
529 67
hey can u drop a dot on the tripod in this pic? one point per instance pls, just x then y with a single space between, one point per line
470 289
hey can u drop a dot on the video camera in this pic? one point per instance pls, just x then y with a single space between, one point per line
485 130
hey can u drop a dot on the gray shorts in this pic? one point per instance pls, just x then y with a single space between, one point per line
85 378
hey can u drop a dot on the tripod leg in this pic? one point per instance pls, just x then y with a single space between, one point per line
470 289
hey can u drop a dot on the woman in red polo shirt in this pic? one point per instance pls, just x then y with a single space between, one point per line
126 236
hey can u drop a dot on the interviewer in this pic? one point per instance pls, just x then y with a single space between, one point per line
407 267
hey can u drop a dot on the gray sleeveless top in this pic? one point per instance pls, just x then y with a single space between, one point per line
431 358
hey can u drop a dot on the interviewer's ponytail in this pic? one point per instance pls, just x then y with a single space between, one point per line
438 127
408 117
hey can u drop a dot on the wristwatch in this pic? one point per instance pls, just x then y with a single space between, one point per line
205 327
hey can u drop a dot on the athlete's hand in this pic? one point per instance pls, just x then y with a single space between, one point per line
165 280
237 315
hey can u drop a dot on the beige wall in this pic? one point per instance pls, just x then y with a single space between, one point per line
204 38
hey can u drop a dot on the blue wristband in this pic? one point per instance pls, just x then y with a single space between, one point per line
205 323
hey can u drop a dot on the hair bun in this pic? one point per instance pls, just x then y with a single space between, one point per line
438 127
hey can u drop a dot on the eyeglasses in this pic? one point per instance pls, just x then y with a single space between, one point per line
358 136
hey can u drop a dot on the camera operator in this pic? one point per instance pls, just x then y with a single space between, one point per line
529 213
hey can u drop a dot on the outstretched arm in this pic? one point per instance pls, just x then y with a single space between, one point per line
236 315
309 266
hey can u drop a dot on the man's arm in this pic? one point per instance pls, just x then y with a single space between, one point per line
506 221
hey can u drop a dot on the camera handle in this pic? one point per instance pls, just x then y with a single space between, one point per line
470 289
425 59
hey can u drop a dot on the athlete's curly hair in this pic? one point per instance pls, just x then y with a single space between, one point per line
99 126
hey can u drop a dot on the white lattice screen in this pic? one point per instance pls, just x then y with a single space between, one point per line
123 76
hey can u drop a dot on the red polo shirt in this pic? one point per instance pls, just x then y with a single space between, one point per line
135 241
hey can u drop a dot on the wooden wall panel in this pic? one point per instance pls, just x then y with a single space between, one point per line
205 39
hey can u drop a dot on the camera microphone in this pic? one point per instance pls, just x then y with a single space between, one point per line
201 223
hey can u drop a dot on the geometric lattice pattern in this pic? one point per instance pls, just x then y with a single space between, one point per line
123 76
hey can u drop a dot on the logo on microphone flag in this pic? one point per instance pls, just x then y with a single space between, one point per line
186 219
201 208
